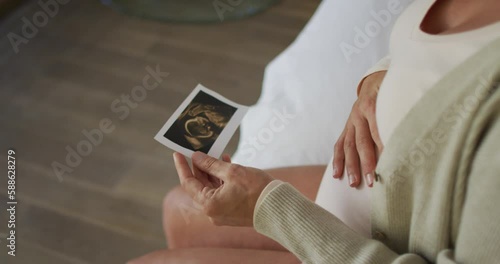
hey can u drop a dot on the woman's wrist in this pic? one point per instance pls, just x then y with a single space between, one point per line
363 83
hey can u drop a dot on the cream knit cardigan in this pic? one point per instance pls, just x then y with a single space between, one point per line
437 196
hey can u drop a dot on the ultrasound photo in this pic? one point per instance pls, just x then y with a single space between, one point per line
205 122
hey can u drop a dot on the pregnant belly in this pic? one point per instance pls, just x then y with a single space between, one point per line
352 206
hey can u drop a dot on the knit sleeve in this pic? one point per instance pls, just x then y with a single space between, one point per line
316 236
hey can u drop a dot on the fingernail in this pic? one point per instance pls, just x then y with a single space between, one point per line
335 171
352 180
369 179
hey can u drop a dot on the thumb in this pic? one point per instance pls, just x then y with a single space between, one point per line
211 165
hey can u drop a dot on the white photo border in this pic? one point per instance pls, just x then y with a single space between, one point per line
221 142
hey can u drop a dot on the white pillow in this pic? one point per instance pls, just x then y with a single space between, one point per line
309 89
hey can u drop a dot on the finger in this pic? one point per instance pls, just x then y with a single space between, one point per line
214 180
226 158
190 184
372 123
339 156
204 178
366 151
352 158
210 165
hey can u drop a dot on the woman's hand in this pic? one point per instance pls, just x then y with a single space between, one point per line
359 143
227 193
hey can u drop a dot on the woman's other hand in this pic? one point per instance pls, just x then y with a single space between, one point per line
231 203
359 144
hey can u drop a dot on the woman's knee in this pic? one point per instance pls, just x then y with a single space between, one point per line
175 205
172 199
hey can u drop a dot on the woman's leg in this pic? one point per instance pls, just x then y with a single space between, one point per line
216 255
187 227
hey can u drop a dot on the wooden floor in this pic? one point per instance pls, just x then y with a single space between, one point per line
64 80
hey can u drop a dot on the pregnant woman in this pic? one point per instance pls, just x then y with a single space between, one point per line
432 198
